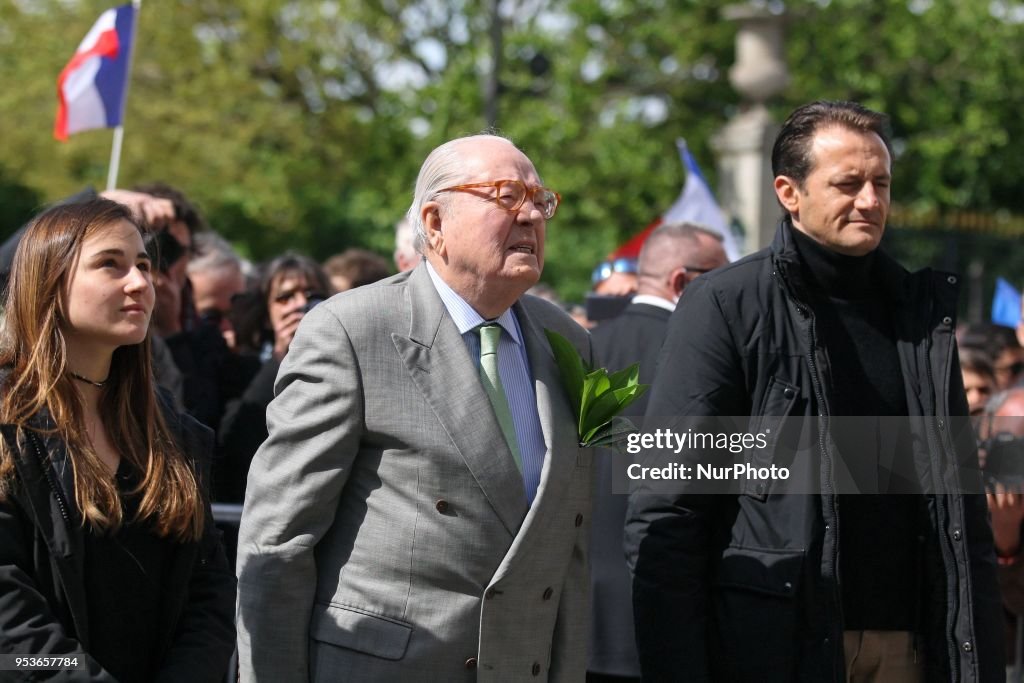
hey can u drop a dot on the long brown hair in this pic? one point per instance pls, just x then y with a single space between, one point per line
34 350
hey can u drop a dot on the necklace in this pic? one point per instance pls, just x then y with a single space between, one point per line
98 385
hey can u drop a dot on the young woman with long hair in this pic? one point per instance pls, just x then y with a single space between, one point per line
108 551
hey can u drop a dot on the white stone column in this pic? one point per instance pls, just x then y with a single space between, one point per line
744 145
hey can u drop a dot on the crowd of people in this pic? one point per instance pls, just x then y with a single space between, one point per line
417 502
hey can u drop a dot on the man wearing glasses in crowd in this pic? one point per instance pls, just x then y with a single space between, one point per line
420 510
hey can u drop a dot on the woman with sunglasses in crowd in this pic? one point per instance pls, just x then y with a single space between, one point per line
108 554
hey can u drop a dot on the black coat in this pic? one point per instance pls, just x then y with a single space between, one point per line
42 595
745 587
635 336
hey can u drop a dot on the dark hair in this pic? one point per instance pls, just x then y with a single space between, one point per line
989 338
358 266
791 154
977 361
291 263
250 311
184 210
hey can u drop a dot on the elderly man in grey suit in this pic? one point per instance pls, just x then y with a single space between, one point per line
420 510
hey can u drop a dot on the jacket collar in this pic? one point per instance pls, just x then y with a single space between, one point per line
893 278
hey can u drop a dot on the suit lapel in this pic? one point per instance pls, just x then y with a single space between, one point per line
557 417
558 423
437 360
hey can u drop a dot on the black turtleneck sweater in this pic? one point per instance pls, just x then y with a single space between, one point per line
879 532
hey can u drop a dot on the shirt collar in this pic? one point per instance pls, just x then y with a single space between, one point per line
652 300
465 316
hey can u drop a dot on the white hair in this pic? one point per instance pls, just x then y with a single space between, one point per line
442 168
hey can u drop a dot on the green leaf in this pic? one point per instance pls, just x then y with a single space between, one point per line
595 384
597 397
625 377
570 366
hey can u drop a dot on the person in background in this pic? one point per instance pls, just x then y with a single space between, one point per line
406 256
979 379
354 268
1004 431
615 278
216 276
107 546
672 256
613 284
1000 344
290 286
211 374
175 310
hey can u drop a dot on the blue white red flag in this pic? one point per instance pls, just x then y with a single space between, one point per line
697 205
93 85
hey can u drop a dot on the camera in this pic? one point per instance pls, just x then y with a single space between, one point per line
312 302
1004 459
164 250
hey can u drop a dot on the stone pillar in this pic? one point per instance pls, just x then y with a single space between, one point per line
744 144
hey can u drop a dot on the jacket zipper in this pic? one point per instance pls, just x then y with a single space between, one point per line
48 475
940 501
827 458
827 462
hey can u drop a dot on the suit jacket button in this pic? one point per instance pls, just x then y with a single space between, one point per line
548 593
442 506
536 669
579 520
471 663
489 593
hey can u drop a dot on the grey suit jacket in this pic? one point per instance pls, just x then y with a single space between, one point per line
386 534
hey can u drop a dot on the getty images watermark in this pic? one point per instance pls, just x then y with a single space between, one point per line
676 442
767 455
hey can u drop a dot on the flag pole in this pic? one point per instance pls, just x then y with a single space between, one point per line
115 147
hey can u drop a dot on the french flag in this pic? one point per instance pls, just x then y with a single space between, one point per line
92 86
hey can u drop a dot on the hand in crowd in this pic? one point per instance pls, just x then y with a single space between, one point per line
284 330
157 211
1007 508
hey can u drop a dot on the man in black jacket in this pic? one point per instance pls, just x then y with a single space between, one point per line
671 258
830 585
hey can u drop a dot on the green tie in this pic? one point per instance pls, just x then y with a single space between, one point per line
491 379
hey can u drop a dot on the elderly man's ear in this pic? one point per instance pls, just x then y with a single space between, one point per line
430 214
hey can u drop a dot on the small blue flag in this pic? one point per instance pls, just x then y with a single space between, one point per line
1006 304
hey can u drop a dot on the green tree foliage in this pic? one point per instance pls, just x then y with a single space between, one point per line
301 124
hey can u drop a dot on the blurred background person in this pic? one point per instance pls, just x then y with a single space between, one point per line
290 286
1000 344
1002 456
175 310
217 277
406 256
979 379
354 268
107 544
615 278
613 284
671 257
211 374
